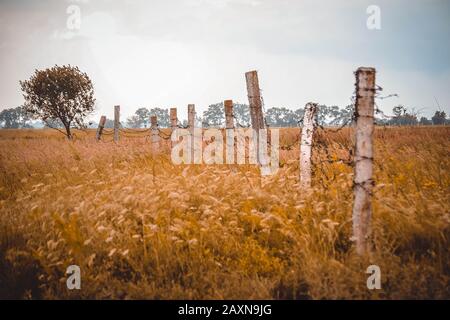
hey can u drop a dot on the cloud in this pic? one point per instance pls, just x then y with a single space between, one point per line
171 53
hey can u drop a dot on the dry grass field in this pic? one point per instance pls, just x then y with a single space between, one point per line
140 227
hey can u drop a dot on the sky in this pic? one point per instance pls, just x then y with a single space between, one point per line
170 53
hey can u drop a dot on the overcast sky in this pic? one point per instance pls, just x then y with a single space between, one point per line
169 53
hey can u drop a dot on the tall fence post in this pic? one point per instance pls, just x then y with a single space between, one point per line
229 131
116 123
101 126
363 180
309 125
254 99
191 125
155 133
256 114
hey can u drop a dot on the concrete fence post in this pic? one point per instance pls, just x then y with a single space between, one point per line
229 131
309 125
154 133
363 177
101 126
116 123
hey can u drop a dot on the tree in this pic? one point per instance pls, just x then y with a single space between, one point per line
142 117
398 111
280 117
241 114
14 118
343 116
162 115
109 124
439 118
59 93
402 117
425 122
325 114
298 115
134 121
53 123
214 116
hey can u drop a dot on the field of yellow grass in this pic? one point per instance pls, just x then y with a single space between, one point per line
140 227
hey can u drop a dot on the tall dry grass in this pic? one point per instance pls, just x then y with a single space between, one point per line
140 227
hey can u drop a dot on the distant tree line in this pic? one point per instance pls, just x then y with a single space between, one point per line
214 117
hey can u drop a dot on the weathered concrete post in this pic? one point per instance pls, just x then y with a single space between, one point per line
173 123
254 99
192 131
173 118
309 125
256 114
116 123
154 133
101 126
363 180
229 131
229 120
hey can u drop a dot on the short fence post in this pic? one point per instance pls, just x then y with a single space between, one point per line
191 116
363 180
229 131
116 123
191 125
101 125
309 125
154 133
173 118
229 120
173 122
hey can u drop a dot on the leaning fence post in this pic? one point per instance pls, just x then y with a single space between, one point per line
255 102
116 123
101 125
254 98
363 180
309 125
155 133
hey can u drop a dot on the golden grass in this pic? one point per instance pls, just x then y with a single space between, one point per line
140 227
